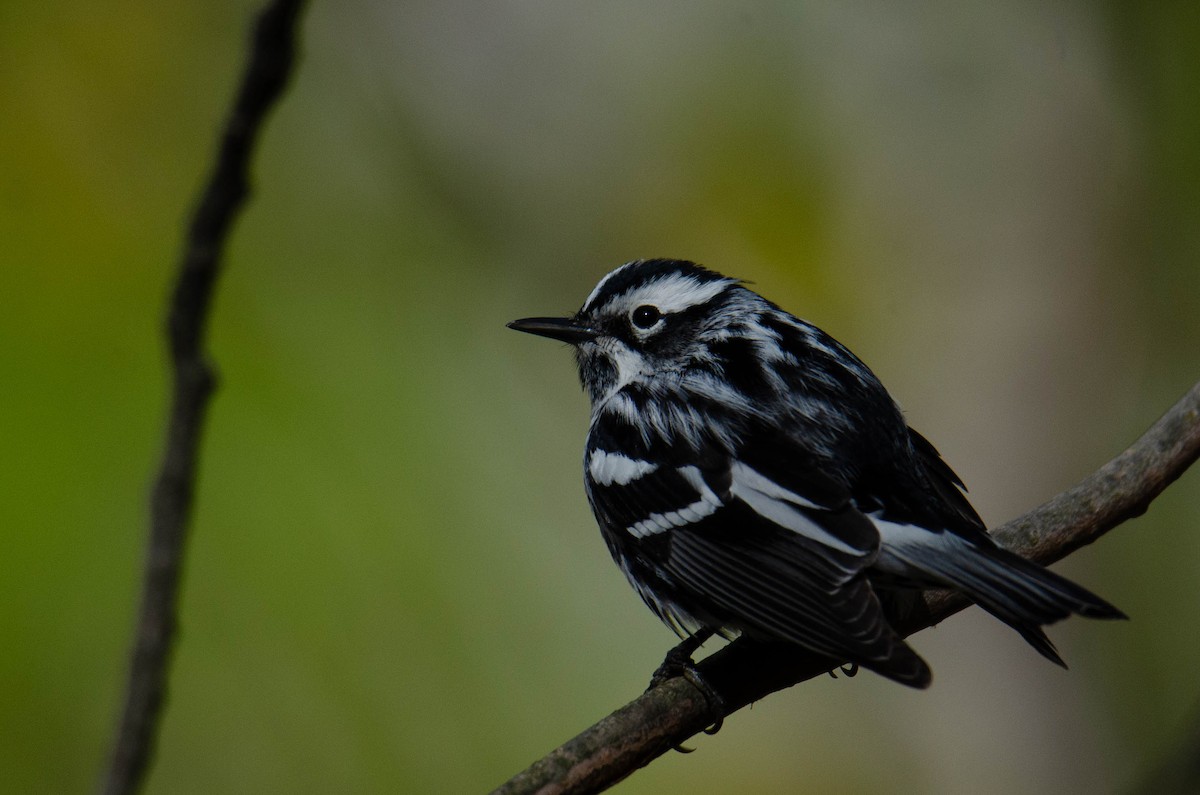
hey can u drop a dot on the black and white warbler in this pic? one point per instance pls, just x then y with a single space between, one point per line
751 476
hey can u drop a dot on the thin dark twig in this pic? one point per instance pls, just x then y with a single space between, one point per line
744 672
270 63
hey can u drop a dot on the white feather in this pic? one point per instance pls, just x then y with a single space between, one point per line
609 468
900 544
773 502
702 508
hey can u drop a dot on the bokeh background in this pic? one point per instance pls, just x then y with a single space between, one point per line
394 583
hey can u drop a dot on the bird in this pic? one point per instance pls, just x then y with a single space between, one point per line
752 477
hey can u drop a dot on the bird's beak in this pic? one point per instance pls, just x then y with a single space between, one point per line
556 328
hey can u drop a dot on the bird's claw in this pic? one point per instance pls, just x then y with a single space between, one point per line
716 704
850 670
678 662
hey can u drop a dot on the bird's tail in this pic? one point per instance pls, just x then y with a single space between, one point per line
1020 593
1027 596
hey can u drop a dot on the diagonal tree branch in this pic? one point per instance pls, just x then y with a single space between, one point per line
266 74
744 672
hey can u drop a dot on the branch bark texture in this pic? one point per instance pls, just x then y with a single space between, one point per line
266 74
744 672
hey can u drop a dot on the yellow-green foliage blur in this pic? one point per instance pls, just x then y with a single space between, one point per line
393 581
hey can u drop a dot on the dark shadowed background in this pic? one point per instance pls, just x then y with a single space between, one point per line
394 582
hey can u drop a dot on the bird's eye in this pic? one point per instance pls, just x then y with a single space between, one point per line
645 316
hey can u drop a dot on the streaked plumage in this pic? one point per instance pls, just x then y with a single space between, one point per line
751 475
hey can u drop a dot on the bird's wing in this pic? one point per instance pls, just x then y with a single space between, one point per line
780 556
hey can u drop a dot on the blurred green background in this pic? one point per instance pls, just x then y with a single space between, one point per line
394 583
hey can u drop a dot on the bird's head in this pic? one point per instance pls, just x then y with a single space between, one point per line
646 318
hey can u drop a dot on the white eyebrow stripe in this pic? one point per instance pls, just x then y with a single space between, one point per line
609 468
675 293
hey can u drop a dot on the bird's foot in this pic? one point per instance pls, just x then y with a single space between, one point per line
678 662
679 659
716 704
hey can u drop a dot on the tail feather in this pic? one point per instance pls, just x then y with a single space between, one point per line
1049 594
1020 593
1034 636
